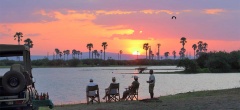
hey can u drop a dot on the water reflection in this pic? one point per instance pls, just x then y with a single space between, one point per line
68 85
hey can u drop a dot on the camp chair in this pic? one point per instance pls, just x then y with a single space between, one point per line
113 96
133 93
92 97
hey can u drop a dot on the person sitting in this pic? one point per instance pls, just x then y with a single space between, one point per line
131 88
113 91
91 83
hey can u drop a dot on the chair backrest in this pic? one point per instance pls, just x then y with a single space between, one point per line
92 88
134 89
114 88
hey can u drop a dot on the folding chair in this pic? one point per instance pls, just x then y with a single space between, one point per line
94 97
133 93
113 96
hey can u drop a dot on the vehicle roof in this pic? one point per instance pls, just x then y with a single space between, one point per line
12 50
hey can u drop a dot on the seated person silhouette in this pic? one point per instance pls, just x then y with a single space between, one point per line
113 91
131 88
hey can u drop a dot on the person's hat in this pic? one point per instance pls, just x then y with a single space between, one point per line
135 77
114 78
91 80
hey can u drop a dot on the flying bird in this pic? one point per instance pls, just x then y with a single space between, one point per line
174 17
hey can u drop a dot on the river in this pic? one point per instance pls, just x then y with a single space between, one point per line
68 85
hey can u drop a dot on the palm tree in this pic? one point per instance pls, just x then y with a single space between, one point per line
57 52
120 52
101 53
197 51
152 56
89 46
95 52
200 46
181 53
28 42
104 45
60 54
98 55
158 53
174 54
18 35
74 52
81 54
67 52
64 53
183 40
78 53
194 46
166 54
145 47
205 47
150 52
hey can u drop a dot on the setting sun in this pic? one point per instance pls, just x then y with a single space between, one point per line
136 53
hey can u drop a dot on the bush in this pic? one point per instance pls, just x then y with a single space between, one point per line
218 65
189 65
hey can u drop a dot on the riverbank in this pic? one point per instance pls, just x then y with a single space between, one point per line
201 100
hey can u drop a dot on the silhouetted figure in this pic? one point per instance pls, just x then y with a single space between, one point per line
174 17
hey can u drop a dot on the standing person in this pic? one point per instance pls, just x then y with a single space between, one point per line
151 82
91 83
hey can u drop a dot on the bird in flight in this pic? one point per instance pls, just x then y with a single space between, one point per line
174 17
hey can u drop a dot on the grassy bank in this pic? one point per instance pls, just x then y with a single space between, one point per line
203 100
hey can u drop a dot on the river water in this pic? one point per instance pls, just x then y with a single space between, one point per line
68 85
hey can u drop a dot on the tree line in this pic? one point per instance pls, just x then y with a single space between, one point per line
213 62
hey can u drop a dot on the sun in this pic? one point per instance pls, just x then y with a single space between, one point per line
136 53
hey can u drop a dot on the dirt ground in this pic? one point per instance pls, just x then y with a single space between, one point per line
204 100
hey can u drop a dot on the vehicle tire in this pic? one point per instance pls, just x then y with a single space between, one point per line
13 82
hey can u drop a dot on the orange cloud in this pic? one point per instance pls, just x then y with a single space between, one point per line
213 11
114 12
157 11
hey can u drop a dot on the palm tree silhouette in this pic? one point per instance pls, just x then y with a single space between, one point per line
74 52
89 46
166 54
78 53
81 54
194 46
95 52
200 46
18 36
104 45
98 55
67 52
60 54
205 47
57 52
146 47
158 53
64 53
183 40
101 53
120 52
174 54
181 53
28 42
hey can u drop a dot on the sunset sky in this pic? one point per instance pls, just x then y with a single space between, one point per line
124 24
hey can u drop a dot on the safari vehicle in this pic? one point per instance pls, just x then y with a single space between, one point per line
17 89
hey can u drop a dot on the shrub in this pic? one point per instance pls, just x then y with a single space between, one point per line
189 65
218 65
